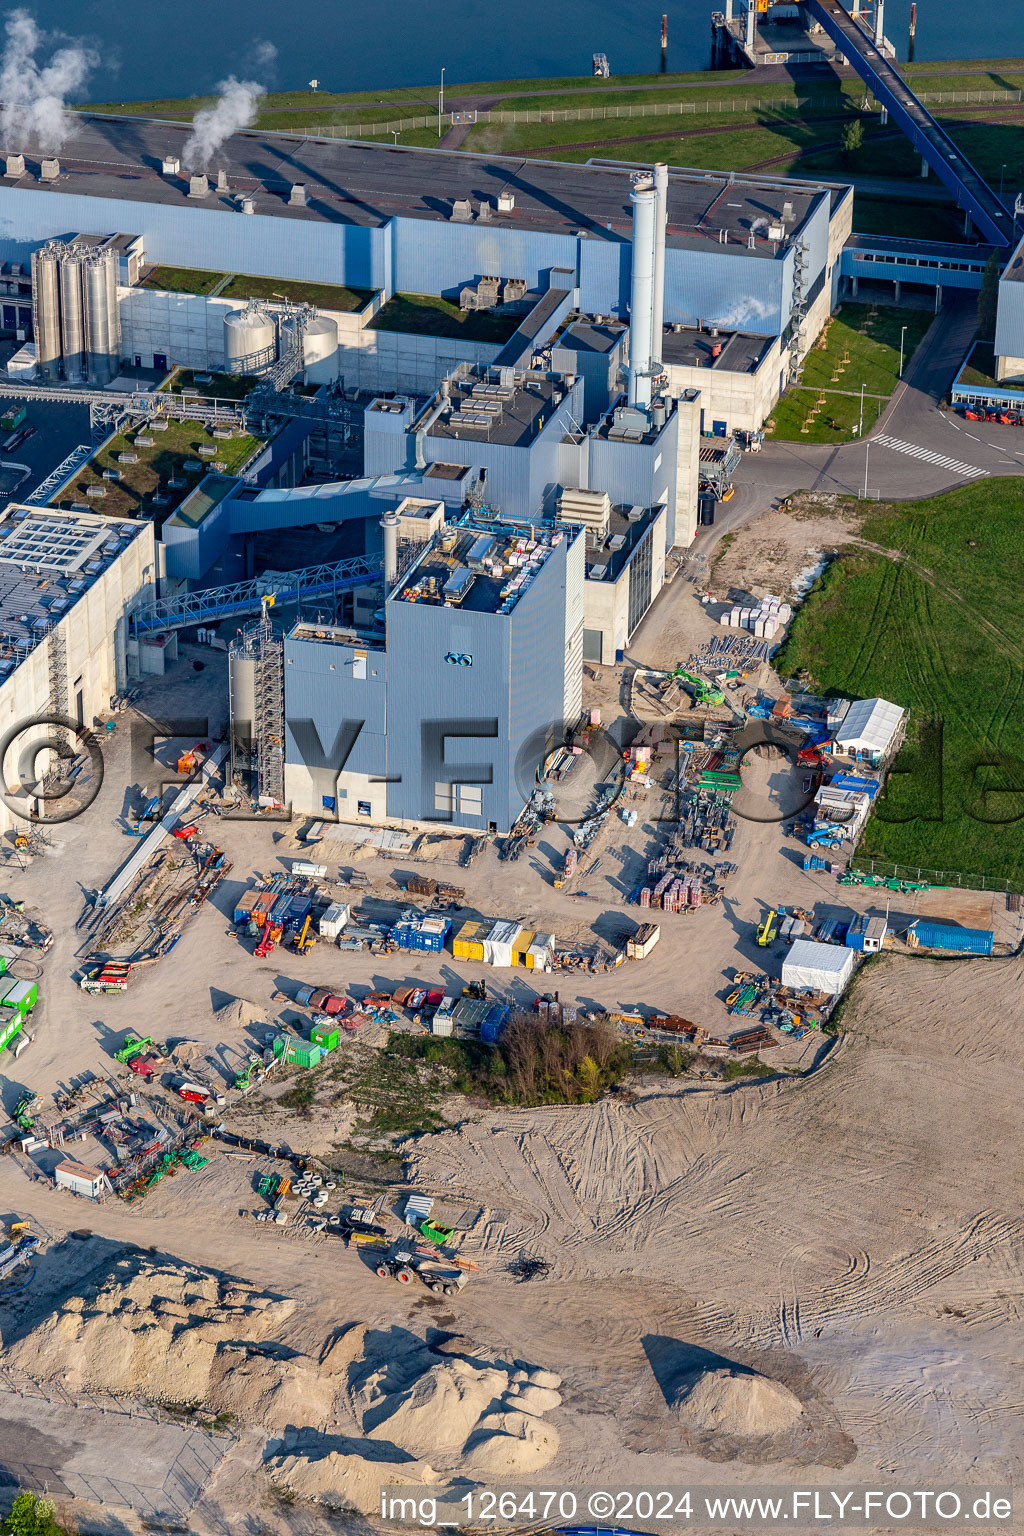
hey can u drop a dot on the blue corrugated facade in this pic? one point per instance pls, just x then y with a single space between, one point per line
721 285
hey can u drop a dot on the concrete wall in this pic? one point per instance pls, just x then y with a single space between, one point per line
682 530
639 474
391 360
336 711
741 400
606 603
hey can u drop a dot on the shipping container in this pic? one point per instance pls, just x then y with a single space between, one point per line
521 947
298 909
302 1053
244 906
643 941
468 942
964 941
429 934
13 418
20 995
334 919
441 1025
304 867
326 1036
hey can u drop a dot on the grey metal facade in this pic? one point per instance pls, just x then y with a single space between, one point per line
639 474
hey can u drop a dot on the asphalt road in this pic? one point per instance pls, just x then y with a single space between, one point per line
915 450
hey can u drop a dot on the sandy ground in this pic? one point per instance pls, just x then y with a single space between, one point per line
854 1234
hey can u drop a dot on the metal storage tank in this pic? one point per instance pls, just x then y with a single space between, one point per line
46 311
250 340
102 325
242 696
72 317
319 347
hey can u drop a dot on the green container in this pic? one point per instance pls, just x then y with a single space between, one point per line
303 1053
21 995
280 1041
326 1036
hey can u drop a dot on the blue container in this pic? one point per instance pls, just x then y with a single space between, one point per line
279 911
298 909
964 941
492 1024
412 936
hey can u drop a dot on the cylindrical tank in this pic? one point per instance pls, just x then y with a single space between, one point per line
102 326
46 311
72 317
390 524
641 302
320 350
242 706
250 340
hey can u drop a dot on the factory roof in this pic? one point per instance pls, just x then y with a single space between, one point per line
479 566
48 559
350 182
586 336
333 634
626 528
200 501
485 410
688 347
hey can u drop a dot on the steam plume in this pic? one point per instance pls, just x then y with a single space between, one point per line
33 95
236 107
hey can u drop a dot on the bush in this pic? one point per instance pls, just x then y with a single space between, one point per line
31 1516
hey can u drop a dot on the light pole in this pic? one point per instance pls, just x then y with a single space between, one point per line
440 103
860 429
867 456
1002 172
395 132
903 332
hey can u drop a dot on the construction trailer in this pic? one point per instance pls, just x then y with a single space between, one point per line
81 1179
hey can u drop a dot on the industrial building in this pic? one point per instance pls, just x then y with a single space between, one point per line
68 581
444 706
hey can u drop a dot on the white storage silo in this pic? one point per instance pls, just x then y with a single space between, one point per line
102 323
46 310
250 340
72 317
319 347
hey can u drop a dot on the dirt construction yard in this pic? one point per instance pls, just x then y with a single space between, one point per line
809 1279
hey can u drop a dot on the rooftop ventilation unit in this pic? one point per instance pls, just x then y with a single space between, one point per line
248 205
787 211
462 209
297 196
222 182
776 232
49 170
171 165
15 166
198 185
506 202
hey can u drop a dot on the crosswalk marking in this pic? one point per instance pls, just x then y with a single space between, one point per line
927 456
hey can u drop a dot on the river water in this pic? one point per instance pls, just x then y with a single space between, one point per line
153 49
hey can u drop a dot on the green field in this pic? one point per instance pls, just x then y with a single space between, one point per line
944 640
423 314
859 346
131 496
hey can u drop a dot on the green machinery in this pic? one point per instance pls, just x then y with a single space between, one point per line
133 1046
25 1111
243 1079
703 691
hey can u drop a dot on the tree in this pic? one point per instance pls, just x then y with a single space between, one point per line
988 299
31 1516
853 140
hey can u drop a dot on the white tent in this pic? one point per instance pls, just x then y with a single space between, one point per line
824 967
869 726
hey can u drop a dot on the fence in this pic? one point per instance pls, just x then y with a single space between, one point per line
943 877
645 109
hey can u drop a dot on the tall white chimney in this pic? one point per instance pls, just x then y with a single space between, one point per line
879 22
390 523
658 318
641 300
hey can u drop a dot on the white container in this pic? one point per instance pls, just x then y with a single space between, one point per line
304 867
334 919
441 1026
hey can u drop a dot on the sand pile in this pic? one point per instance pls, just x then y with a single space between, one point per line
241 1014
731 1401
419 1416
157 1330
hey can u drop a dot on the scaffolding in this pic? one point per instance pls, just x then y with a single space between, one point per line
60 753
268 725
797 318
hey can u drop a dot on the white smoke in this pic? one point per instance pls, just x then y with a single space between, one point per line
743 314
33 95
236 107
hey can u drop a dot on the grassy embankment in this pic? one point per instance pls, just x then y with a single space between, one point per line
859 346
947 644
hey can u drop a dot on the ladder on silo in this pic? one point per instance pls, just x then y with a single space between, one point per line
61 755
268 685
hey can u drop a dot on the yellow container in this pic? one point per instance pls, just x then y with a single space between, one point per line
521 945
468 942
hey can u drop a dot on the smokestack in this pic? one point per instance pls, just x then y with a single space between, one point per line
751 20
198 185
879 22
641 301
222 181
661 223
390 523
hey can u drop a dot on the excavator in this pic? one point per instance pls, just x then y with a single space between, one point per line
703 691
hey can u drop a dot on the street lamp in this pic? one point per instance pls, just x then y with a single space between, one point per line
902 334
860 429
440 103
395 133
1002 171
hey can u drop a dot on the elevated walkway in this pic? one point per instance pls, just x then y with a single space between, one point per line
950 165
216 603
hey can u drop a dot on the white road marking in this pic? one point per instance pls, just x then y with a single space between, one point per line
928 456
